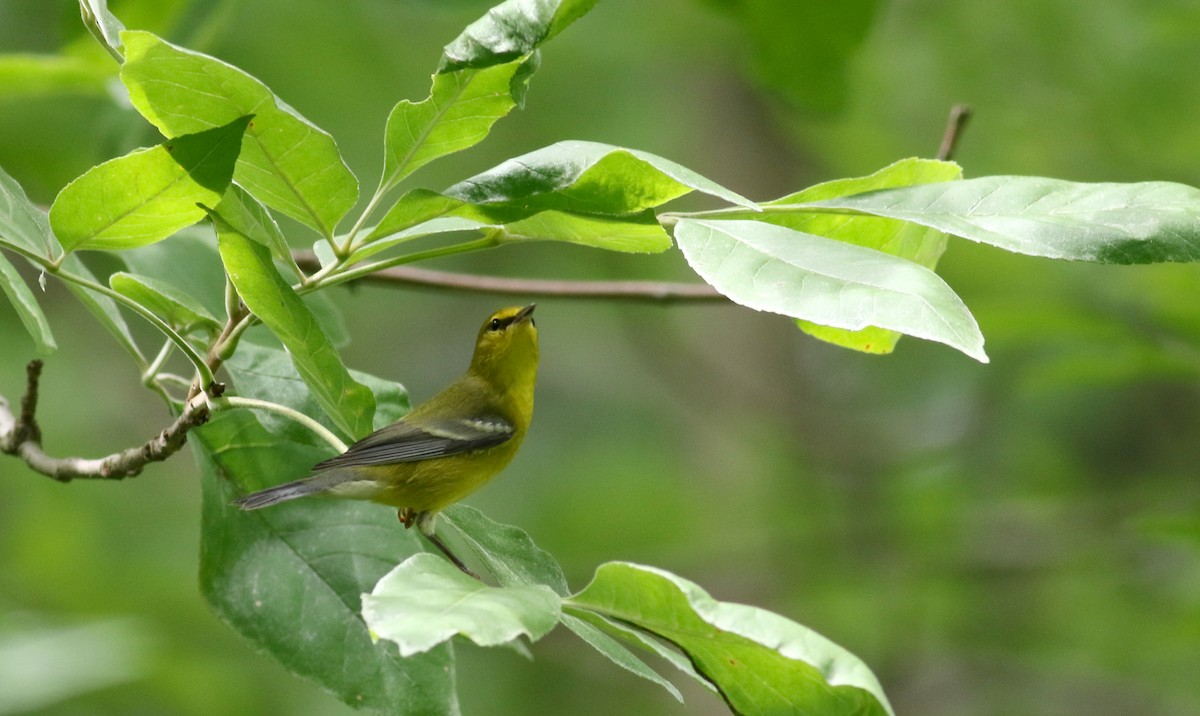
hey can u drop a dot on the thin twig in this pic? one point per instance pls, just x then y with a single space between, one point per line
22 437
661 291
959 114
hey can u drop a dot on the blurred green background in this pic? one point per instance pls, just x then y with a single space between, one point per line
1016 538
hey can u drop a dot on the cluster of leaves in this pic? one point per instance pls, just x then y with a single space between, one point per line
852 261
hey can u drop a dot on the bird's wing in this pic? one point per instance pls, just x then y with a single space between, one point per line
407 442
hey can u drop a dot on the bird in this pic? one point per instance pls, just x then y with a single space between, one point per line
445 448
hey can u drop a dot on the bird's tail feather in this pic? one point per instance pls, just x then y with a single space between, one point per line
280 493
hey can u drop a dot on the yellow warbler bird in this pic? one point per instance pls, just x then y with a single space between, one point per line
445 448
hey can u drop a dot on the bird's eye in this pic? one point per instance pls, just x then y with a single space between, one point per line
495 324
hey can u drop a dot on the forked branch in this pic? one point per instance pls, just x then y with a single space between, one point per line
21 436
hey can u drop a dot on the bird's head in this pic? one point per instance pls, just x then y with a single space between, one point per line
506 351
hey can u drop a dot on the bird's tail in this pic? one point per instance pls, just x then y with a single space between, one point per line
280 493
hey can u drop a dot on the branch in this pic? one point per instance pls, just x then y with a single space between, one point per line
663 291
23 438
959 114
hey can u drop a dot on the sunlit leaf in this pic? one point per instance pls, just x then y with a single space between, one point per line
1147 222
512 29
586 178
459 113
775 269
164 300
349 403
245 214
427 600
286 162
910 241
149 194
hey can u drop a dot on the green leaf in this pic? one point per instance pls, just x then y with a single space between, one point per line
418 206
165 300
102 307
510 30
639 233
459 113
103 25
22 225
289 578
26 306
286 162
760 662
585 178
246 215
1147 222
511 556
349 403
772 268
641 639
426 601
617 653
149 194
189 263
899 238
267 373
507 551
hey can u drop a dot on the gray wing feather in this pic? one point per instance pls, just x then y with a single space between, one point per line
404 442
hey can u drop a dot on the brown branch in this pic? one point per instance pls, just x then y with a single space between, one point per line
957 122
22 438
662 291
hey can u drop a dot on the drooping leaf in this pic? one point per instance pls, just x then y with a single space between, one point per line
286 162
512 29
760 662
427 600
347 402
1147 222
164 300
586 178
507 551
149 194
638 638
910 241
459 113
289 578
511 556
23 225
26 306
772 268
617 653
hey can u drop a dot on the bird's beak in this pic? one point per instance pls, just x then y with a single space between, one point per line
525 313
